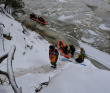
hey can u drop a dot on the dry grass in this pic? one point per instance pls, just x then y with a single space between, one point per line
52 42
41 33
7 37
28 25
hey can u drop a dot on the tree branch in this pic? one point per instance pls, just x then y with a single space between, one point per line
41 86
3 57
10 70
4 73
2 24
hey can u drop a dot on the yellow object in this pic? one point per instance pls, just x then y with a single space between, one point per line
80 56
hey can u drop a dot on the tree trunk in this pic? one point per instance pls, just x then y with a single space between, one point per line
6 3
3 57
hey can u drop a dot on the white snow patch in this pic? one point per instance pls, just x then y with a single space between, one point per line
103 27
63 17
92 32
88 40
62 1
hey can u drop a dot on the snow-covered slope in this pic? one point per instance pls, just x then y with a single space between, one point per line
80 80
29 45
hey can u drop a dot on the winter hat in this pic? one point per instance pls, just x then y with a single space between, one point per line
52 47
81 48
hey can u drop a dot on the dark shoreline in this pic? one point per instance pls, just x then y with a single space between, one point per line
99 65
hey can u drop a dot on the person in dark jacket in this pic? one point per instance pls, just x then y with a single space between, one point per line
72 50
80 58
53 55
33 16
65 49
41 19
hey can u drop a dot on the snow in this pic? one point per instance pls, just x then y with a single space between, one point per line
79 81
63 17
62 1
88 40
31 64
92 32
103 27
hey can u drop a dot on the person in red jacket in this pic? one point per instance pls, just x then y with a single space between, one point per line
53 55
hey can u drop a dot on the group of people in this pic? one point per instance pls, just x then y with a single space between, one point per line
37 17
53 54
66 50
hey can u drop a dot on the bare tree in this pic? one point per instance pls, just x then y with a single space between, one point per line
10 73
13 5
1 34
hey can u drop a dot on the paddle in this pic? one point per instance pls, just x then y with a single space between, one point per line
65 59
83 64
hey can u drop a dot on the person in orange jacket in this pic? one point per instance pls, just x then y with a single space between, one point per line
53 55
65 48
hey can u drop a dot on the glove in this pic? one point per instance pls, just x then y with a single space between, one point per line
54 53
83 52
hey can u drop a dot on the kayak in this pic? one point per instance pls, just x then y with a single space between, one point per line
44 23
61 50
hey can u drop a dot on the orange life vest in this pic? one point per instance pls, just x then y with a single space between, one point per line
52 56
63 45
